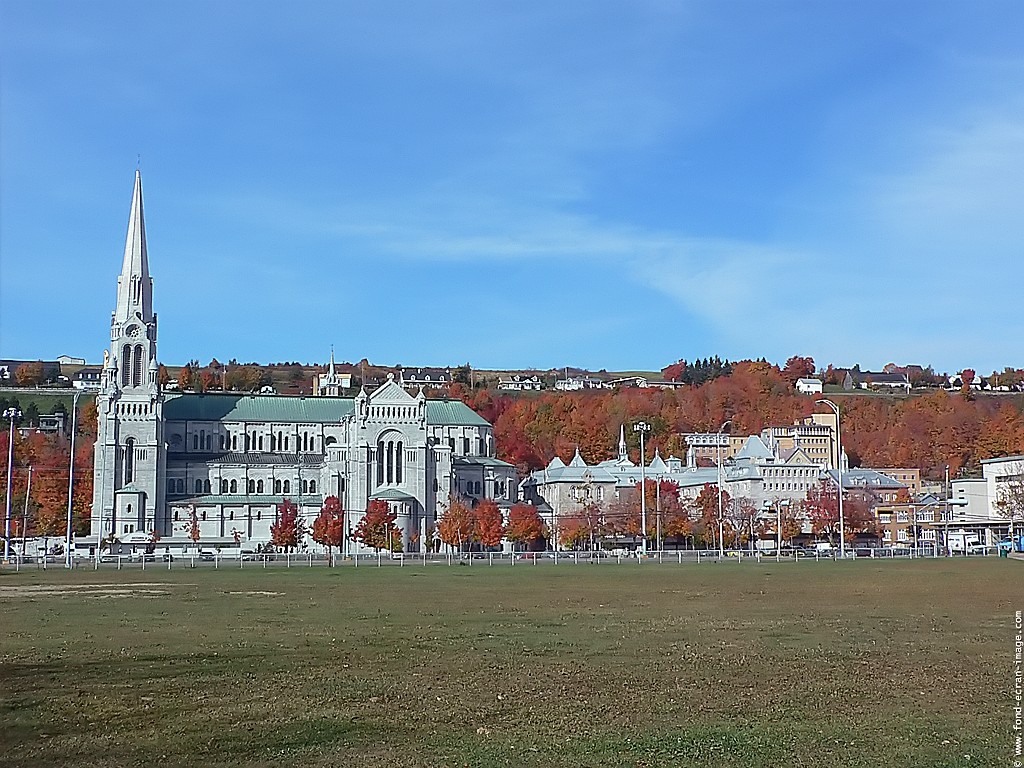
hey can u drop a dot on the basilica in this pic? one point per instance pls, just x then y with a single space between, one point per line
225 461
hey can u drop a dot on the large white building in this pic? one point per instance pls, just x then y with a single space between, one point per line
232 458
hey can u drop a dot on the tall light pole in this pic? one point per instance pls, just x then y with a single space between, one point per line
721 513
12 414
69 544
839 463
643 428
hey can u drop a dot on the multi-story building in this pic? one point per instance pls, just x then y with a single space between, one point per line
228 460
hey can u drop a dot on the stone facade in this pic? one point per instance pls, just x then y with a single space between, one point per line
227 460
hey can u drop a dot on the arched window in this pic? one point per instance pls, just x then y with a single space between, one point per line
312 486
181 485
280 442
223 486
199 486
305 486
259 486
129 460
287 486
137 367
252 486
286 442
277 486
206 486
126 365
380 462
176 515
399 458
261 442
195 442
234 442
273 442
234 486
209 442
389 469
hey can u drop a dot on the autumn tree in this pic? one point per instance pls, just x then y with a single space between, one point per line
29 374
582 528
821 507
706 509
456 525
488 528
289 528
329 526
185 376
191 526
525 525
798 368
377 528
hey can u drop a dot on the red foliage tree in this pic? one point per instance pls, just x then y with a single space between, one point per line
329 526
289 529
377 528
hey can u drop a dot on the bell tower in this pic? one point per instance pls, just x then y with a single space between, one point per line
128 492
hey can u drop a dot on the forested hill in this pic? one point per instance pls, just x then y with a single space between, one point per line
927 430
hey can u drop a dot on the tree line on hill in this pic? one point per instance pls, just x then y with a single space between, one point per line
929 431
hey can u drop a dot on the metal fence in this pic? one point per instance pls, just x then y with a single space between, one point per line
474 559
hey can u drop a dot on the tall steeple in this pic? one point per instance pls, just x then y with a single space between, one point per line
135 286
132 359
623 453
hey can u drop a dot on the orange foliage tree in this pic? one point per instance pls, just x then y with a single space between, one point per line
456 525
377 528
525 526
488 527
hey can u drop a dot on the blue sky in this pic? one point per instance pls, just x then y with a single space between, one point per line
520 184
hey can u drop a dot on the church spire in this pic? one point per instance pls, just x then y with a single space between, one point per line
623 453
134 286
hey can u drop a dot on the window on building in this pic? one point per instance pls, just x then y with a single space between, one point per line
223 486
259 486
287 486
277 486
312 486
252 486
181 485
206 486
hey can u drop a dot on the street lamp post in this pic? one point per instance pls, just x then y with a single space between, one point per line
69 543
643 428
12 415
721 513
839 463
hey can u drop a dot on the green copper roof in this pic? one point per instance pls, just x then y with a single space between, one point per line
190 407
450 413
303 410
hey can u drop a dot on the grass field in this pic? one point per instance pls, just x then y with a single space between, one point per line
810 664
